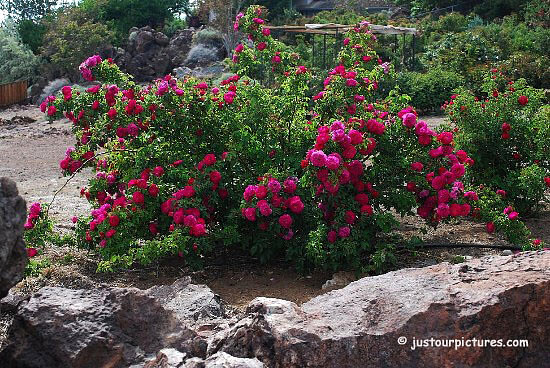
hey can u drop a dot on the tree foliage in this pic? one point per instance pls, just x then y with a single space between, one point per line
16 60
27 9
71 36
125 14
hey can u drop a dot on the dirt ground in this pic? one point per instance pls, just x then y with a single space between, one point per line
30 152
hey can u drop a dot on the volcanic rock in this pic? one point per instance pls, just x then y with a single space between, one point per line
13 255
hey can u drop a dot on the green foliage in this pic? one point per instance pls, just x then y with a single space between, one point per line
39 228
421 6
121 15
27 9
430 90
458 259
491 9
507 136
494 209
208 36
34 267
537 13
460 51
452 22
17 62
173 25
70 37
339 16
31 33
277 9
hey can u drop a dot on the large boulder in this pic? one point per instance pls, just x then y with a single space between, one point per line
151 54
179 46
170 358
192 304
110 327
13 255
373 321
440 316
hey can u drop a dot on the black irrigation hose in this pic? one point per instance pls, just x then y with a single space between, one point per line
466 245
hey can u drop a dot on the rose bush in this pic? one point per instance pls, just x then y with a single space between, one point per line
507 134
189 169
38 229
274 217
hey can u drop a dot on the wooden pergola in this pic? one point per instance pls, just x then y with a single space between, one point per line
336 30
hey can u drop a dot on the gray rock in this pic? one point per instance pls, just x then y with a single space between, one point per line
339 280
52 88
224 360
194 363
507 252
181 72
13 255
10 302
359 326
202 55
150 54
162 63
210 71
167 358
179 46
193 304
215 70
144 41
161 39
60 327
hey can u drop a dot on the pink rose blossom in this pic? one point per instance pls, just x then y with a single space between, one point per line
285 221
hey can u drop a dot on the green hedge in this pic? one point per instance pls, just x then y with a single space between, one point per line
429 90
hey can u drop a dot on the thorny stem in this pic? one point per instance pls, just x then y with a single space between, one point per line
78 170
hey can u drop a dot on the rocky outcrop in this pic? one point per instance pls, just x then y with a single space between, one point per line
145 55
150 54
13 255
170 358
192 304
50 89
384 321
367 323
60 327
114 327
211 71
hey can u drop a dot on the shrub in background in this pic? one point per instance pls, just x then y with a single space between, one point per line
17 61
172 26
32 33
506 134
430 90
121 15
534 69
460 51
208 36
201 54
70 37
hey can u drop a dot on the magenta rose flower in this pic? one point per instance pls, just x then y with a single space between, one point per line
285 221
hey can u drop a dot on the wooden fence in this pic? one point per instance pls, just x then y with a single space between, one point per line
12 93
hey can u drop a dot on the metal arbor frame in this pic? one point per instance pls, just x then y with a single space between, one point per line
337 30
